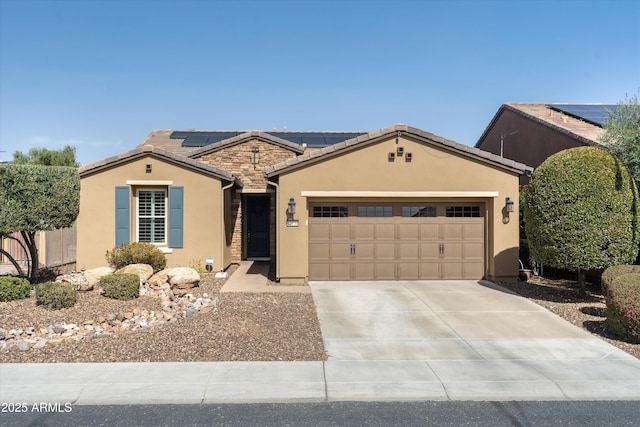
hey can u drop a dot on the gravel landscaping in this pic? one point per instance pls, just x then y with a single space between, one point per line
233 326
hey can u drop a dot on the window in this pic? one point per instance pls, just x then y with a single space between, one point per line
152 216
418 211
330 212
463 211
375 211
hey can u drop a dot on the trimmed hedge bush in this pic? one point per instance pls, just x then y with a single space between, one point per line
621 286
55 295
13 288
122 286
137 253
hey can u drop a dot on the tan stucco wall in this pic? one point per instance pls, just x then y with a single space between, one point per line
203 214
431 169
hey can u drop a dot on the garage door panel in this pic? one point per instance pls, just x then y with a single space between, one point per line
364 251
408 231
474 231
385 231
340 270
429 251
429 232
320 232
386 251
320 271
385 270
452 250
453 231
452 270
474 251
364 231
473 270
429 270
340 251
364 270
320 252
408 270
340 232
408 251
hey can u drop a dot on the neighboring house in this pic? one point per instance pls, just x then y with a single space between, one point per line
398 203
530 132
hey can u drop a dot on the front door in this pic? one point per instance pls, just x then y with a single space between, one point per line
258 213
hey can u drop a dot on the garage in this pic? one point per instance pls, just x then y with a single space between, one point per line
396 204
396 241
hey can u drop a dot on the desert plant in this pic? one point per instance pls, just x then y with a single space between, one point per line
621 287
137 253
14 288
196 264
55 295
122 286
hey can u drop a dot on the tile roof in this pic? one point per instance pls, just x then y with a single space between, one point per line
144 150
544 114
374 136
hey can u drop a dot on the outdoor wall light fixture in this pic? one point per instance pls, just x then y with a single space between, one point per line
509 204
291 209
255 157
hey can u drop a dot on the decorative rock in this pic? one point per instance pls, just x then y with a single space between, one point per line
128 315
23 345
77 279
143 271
177 277
93 276
3 335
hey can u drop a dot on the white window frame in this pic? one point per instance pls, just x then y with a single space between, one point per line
165 190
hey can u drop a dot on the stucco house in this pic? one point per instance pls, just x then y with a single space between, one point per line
530 132
395 204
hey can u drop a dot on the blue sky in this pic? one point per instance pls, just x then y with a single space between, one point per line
101 75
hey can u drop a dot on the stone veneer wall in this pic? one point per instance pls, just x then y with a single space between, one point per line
237 159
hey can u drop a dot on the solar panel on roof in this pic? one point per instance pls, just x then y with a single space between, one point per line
312 139
597 114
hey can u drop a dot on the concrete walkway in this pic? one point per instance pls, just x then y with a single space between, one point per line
386 341
253 276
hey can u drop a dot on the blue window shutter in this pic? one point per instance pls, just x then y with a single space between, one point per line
123 217
176 216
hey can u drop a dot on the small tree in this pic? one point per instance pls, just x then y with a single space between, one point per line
36 198
622 134
46 157
581 212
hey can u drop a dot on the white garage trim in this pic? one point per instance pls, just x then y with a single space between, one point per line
423 194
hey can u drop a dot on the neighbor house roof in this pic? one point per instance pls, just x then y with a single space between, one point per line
554 116
160 153
398 129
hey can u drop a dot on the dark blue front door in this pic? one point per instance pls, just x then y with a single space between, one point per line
258 214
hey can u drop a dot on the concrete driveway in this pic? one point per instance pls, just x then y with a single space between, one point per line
461 340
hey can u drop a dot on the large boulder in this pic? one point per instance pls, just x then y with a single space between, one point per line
143 271
176 277
93 276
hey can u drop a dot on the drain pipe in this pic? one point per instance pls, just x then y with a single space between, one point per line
277 187
223 240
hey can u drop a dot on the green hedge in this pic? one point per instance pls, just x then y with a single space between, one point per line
136 253
55 295
14 288
621 286
122 286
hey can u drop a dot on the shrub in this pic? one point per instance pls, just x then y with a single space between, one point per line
13 288
123 286
621 286
137 253
55 295
196 264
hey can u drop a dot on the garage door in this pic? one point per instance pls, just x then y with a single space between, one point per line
396 241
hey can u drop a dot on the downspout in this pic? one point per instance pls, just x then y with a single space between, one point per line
223 240
275 184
